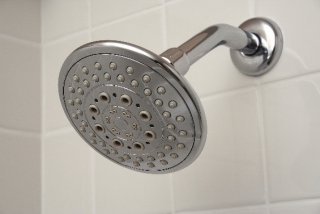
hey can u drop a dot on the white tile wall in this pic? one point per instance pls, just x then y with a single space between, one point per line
60 18
20 107
245 210
20 85
21 19
296 20
289 66
105 11
20 175
67 174
261 156
215 72
118 190
292 124
305 207
144 29
53 55
229 171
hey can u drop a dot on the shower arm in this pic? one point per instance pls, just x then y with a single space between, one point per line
202 43
253 53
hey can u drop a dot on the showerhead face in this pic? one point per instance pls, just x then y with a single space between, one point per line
132 107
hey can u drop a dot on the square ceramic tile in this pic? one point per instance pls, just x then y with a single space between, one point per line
182 25
253 210
215 71
104 11
67 174
121 191
289 65
20 177
144 30
296 20
53 57
60 18
228 173
20 85
21 19
307 207
292 123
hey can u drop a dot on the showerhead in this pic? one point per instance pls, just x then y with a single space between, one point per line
134 107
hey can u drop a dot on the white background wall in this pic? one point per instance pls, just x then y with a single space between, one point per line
262 153
20 106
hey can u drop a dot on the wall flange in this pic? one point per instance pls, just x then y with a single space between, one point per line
268 52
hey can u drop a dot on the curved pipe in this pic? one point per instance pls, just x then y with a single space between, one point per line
202 43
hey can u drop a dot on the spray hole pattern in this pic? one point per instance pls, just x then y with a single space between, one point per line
130 113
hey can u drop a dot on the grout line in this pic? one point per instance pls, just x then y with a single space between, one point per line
263 142
128 17
21 41
218 210
65 37
230 92
297 57
12 131
294 77
255 84
239 208
42 112
42 167
91 28
172 2
315 85
295 201
58 131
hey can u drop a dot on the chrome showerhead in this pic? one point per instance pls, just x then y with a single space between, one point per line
135 107
132 106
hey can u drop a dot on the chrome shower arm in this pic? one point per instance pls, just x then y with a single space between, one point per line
255 46
216 35
202 43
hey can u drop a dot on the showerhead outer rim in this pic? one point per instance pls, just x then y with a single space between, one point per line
159 65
